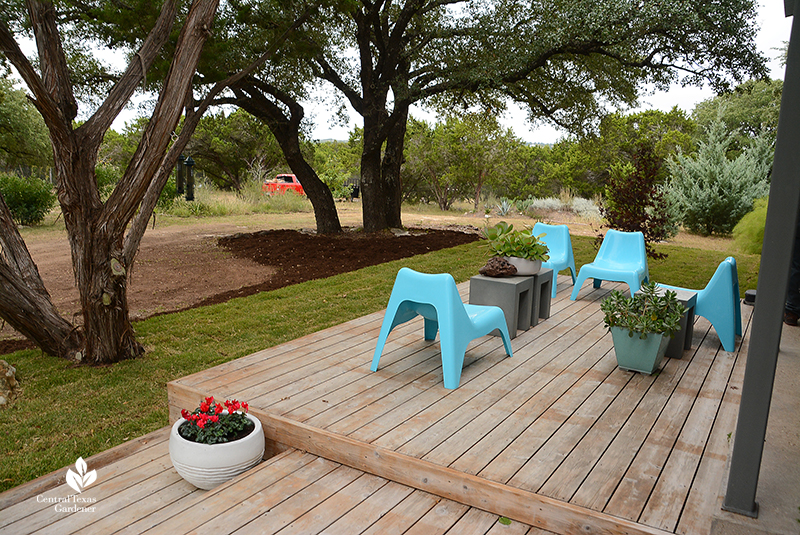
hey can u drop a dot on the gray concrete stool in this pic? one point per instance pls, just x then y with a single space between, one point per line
542 291
512 294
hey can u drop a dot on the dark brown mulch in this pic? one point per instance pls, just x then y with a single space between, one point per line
301 257
298 257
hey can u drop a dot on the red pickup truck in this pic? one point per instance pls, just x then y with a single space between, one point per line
281 183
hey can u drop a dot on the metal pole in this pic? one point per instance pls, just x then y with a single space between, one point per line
776 256
189 179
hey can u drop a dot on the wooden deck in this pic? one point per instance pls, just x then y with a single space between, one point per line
556 438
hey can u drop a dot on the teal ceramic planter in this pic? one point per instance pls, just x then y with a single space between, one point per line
639 355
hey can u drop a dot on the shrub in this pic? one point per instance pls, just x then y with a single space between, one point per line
585 208
28 199
714 192
168 195
749 231
635 202
107 177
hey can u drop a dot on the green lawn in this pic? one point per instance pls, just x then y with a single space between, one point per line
65 412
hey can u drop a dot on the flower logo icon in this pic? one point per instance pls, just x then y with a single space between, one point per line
80 480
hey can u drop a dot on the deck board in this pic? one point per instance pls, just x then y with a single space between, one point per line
557 438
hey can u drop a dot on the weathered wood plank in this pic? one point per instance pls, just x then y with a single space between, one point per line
371 510
666 501
566 479
523 506
242 501
439 519
289 350
474 522
334 499
48 482
631 495
494 389
701 503
405 514
605 476
527 442
412 429
549 457
315 491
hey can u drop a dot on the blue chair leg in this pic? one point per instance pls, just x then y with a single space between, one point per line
506 339
597 282
577 288
386 328
431 328
452 360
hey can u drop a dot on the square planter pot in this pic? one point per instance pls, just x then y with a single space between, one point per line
639 355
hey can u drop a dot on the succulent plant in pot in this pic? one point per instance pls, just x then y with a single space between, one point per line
519 247
641 325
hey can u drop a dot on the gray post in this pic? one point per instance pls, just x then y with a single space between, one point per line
179 175
776 254
189 179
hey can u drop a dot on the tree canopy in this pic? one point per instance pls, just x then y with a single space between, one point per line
566 60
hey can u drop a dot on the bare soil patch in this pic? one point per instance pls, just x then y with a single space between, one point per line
179 268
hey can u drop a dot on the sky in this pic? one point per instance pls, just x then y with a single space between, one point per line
775 29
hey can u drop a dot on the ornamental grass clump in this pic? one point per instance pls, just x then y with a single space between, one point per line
211 423
646 312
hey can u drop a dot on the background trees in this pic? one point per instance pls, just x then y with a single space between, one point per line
715 191
23 135
564 60
228 147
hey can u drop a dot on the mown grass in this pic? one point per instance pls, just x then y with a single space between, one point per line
65 412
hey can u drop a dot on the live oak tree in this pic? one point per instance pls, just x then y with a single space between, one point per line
566 60
273 92
103 236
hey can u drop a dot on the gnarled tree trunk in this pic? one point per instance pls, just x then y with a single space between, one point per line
101 251
251 97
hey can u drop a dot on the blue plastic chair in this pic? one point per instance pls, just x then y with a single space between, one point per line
435 298
621 258
719 303
560 249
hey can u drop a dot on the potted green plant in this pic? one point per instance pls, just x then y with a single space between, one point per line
215 442
641 325
519 247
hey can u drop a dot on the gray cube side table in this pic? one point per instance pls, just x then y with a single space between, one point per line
682 339
542 290
512 294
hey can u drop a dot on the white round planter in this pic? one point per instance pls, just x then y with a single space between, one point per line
525 266
207 465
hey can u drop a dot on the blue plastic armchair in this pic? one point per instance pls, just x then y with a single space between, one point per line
621 258
719 303
560 249
435 298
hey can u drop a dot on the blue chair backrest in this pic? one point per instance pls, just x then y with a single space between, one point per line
556 238
622 248
724 283
438 290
